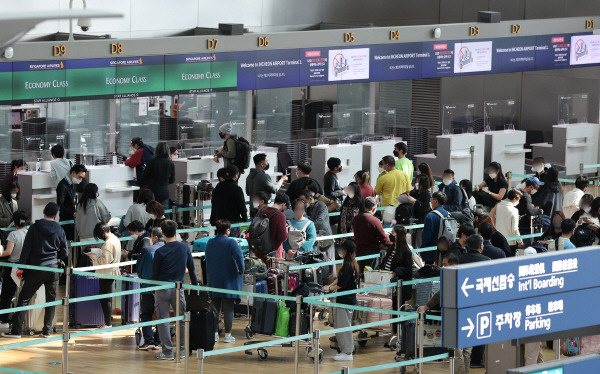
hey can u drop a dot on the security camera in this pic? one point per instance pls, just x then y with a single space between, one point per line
9 52
84 23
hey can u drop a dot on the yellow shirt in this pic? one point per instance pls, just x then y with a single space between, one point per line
392 185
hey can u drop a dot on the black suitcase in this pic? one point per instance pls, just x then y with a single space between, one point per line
203 326
304 323
264 316
313 275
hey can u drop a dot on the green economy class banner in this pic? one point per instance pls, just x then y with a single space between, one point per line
199 73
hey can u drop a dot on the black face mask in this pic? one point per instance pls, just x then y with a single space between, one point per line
396 153
267 167
221 135
340 169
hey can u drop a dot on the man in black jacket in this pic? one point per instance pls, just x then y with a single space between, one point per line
526 207
45 244
452 191
331 184
66 197
303 173
259 181
228 200
459 247
486 230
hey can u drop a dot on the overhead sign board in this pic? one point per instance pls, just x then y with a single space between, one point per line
39 81
514 278
6 94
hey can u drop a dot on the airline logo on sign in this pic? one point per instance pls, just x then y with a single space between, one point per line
47 66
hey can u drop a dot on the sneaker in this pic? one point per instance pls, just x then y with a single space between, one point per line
229 338
163 356
155 347
45 335
11 335
146 347
4 326
216 337
182 356
477 365
333 339
343 357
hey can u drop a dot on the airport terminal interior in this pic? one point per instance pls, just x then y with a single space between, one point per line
334 186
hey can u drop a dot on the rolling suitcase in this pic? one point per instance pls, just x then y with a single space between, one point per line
272 285
86 313
203 326
261 287
130 304
313 275
264 316
378 303
200 244
34 318
304 323
185 197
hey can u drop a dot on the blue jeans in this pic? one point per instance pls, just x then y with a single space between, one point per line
165 203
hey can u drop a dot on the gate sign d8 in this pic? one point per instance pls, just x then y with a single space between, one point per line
515 278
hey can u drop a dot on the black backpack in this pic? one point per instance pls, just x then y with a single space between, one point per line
404 212
464 217
584 236
259 240
242 154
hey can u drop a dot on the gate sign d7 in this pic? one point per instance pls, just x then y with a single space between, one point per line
515 278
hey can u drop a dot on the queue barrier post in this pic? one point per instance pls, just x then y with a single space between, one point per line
298 322
316 354
286 279
177 324
421 331
581 169
451 355
345 370
557 349
398 305
66 337
187 321
200 361
596 187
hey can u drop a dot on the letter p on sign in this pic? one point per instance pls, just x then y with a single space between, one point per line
484 325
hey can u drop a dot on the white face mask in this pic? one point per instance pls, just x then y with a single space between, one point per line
134 236
533 192
152 216
516 203
417 186
350 194
587 209
255 204
430 206
76 181
493 175
297 175
381 170
13 195
447 181
175 157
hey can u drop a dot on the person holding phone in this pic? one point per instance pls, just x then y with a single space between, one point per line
259 181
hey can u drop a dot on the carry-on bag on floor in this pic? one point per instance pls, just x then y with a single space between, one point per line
86 313
378 303
264 316
130 304
304 323
203 326
185 197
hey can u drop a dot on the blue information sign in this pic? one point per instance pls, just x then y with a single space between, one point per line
572 365
520 318
515 278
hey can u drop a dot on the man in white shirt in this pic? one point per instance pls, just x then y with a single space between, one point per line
571 199
60 167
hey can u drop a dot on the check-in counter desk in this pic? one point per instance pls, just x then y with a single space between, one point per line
453 152
37 190
507 148
114 186
373 152
571 146
350 154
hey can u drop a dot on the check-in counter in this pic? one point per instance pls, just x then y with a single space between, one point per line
37 190
373 152
572 145
454 152
507 148
114 186
350 154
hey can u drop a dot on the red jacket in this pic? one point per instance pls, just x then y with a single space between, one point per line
368 233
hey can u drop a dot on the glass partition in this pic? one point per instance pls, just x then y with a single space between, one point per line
499 115
354 118
573 108
135 120
275 116
460 118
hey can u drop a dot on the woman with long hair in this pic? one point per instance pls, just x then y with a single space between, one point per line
467 191
554 231
363 178
90 211
496 186
398 255
424 168
159 173
420 196
352 206
443 245
8 202
347 280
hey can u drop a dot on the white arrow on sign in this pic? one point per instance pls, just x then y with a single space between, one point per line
466 287
469 328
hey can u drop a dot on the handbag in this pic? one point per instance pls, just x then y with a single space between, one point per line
197 301
323 245
282 325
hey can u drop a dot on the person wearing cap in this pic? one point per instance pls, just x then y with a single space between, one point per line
526 207
44 245
228 151
140 155
228 201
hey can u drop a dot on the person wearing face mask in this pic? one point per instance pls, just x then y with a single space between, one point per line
420 196
259 181
402 162
496 186
431 226
303 173
526 207
572 198
301 223
140 155
159 174
228 201
468 200
156 211
277 220
228 151
15 166
140 238
351 207
453 193
550 196
585 209
90 212
539 167
173 153
67 197
368 232
330 180
317 212
8 203
381 170
554 231
507 218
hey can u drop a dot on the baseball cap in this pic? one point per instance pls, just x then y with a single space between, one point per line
532 181
137 141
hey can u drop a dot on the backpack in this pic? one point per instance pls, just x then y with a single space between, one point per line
464 217
584 236
332 205
448 226
242 154
259 234
257 266
404 213
296 237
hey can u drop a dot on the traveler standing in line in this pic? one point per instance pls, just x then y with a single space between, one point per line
403 163
498 240
15 167
420 197
144 270
486 230
369 236
331 184
301 223
228 201
459 247
526 208
347 280
554 231
90 211
110 253
173 153
496 186
423 168
140 155
225 266
317 212
156 212
363 178
66 197
8 203
467 190
393 184
507 219
60 167
568 229
169 265
277 220
14 246
44 245
140 238
259 181
137 211
352 206
452 191
228 151
572 198
303 173
431 227
159 174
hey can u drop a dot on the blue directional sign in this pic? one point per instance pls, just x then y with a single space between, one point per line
483 283
517 319
572 365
